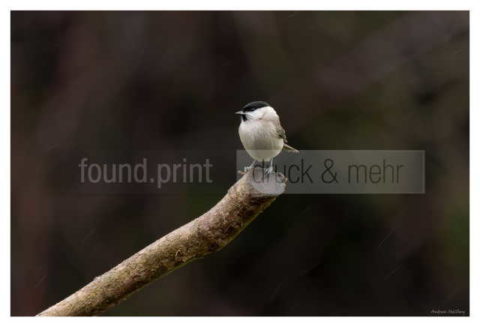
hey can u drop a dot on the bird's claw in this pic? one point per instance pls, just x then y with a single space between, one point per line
269 170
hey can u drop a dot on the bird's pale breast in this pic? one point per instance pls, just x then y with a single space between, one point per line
260 139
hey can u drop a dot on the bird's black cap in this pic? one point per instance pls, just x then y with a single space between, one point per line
252 106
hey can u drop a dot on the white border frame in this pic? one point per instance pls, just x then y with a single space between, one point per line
474 8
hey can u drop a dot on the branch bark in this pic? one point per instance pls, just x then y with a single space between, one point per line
204 235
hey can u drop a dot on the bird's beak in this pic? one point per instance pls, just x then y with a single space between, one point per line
240 112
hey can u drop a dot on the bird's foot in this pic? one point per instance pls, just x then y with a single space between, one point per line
247 169
269 170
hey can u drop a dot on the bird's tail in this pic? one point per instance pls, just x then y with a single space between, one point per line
288 148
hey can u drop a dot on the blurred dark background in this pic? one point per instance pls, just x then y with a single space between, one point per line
111 85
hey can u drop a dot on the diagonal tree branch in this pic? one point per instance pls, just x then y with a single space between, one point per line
204 235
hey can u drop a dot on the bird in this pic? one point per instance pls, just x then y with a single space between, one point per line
261 133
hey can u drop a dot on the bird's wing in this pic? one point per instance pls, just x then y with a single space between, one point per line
281 133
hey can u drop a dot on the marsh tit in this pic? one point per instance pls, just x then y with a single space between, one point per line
261 133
